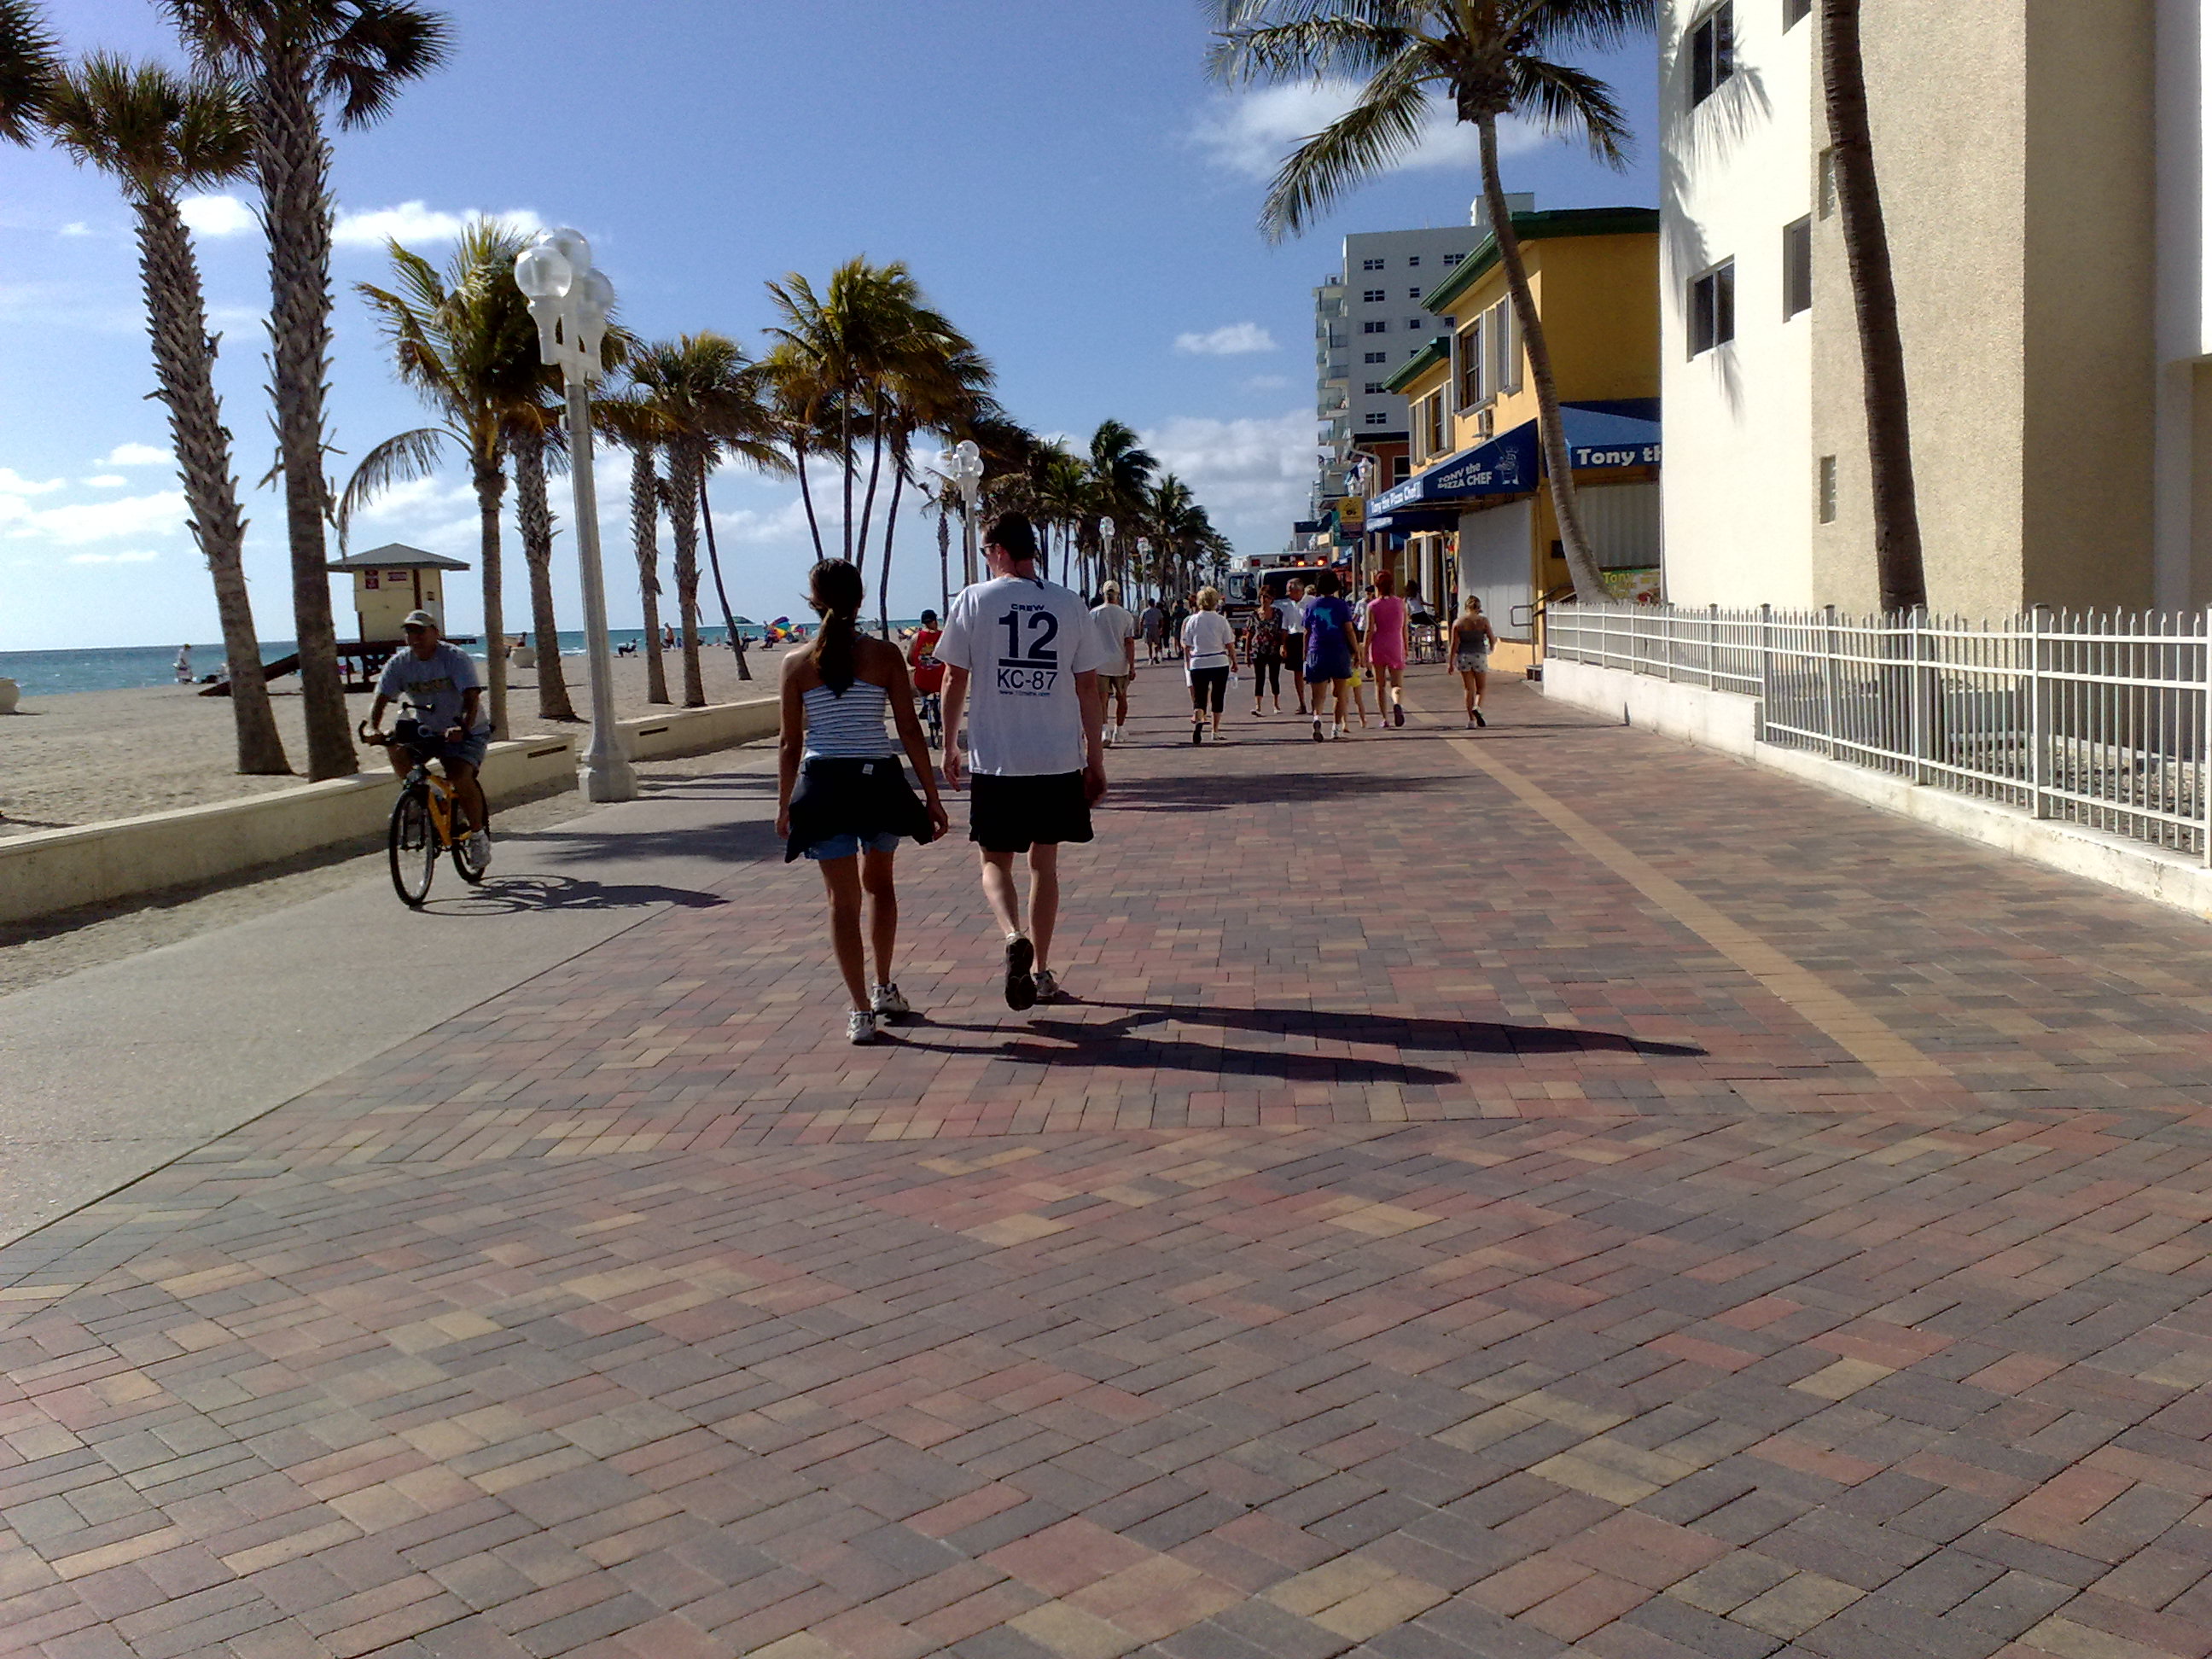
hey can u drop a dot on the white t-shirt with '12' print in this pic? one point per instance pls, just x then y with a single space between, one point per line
1022 641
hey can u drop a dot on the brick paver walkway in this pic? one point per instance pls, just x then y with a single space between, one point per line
1557 1193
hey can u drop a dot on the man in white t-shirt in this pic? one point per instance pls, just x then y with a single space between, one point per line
1292 608
1119 629
1023 658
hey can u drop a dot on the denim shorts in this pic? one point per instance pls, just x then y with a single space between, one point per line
847 847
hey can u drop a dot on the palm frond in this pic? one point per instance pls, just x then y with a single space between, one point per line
1316 48
397 460
383 45
1589 25
1567 99
1384 126
30 61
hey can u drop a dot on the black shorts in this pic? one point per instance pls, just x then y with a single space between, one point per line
1006 815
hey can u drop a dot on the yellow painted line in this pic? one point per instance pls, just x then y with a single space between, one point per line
1859 1033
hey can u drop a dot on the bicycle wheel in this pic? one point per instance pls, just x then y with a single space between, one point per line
464 860
412 844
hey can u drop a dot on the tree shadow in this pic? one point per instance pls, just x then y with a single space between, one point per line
737 841
504 895
1115 1044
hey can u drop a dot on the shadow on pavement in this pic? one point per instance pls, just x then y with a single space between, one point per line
1226 792
745 841
502 896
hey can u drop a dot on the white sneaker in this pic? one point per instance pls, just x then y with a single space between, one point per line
859 1027
1110 736
480 848
888 1003
1048 985
1117 737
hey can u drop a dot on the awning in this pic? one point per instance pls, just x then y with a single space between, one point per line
1511 464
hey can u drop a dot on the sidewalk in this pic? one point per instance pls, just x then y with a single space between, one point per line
1539 1191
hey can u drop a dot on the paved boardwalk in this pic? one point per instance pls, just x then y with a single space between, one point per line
1545 1192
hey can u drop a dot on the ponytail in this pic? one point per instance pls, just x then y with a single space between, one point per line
836 593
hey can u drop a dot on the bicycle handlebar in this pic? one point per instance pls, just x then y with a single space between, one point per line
373 739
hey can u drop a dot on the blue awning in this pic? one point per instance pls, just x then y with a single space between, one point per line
1511 463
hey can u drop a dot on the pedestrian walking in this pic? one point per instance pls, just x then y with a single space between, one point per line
1331 648
1176 618
1268 644
1153 620
842 800
1209 650
1291 607
1470 643
1025 659
1386 647
1119 629
1359 657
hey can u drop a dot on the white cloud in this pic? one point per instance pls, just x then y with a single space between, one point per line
74 523
1251 474
1266 383
135 454
1233 340
418 222
14 484
76 227
1249 133
217 216
136 556
421 498
104 480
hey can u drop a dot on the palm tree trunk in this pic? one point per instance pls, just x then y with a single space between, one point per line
535 517
684 471
1582 563
875 469
943 560
890 530
491 486
845 459
722 594
293 162
1896 551
177 317
806 498
645 543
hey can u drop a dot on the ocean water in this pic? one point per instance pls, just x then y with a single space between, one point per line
121 667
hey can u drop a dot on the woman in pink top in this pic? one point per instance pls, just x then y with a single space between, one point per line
1386 642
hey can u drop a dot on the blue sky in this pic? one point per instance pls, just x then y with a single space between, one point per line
1062 180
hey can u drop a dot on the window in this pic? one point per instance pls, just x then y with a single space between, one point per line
1413 294
1374 326
1827 489
1373 388
1372 296
1451 259
1828 183
1413 262
1413 325
1377 357
1713 308
1380 417
1371 265
1401 468
1469 341
1795 12
1438 442
1712 52
1796 268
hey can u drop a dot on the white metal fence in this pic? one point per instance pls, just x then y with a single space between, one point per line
2098 719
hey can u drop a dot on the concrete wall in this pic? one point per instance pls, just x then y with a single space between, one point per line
1738 486
60 869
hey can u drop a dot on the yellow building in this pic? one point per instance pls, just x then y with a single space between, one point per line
1475 513
390 581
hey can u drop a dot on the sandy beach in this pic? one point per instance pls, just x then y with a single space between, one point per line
96 755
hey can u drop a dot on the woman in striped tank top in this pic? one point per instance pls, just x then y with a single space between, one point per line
842 798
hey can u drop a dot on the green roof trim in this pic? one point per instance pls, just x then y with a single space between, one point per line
1437 352
1545 227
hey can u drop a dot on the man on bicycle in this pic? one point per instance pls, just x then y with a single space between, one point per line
929 672
439 684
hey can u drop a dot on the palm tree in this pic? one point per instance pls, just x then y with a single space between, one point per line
534 430
1121 470
630 418
158 134
1489 59
464 342
938 382
300 62
1896 552
711 402
30 62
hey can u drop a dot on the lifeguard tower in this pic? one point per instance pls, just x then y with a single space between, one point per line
390 581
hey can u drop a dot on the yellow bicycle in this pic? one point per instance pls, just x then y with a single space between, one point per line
426 820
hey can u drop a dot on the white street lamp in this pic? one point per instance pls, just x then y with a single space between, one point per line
1106 536
569 301
1145 560
962 466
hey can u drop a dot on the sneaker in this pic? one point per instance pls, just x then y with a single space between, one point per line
1478 721
1118 735
480 848
1338 730
888 1003
1397 714
1110 737
1048 985
1197 732
859 1027
1021 984
1317 737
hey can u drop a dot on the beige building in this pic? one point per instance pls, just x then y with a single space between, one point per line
2042 177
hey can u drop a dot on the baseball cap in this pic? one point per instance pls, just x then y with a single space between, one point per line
418 619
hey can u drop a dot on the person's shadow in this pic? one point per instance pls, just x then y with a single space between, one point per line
502 896
1115 1043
